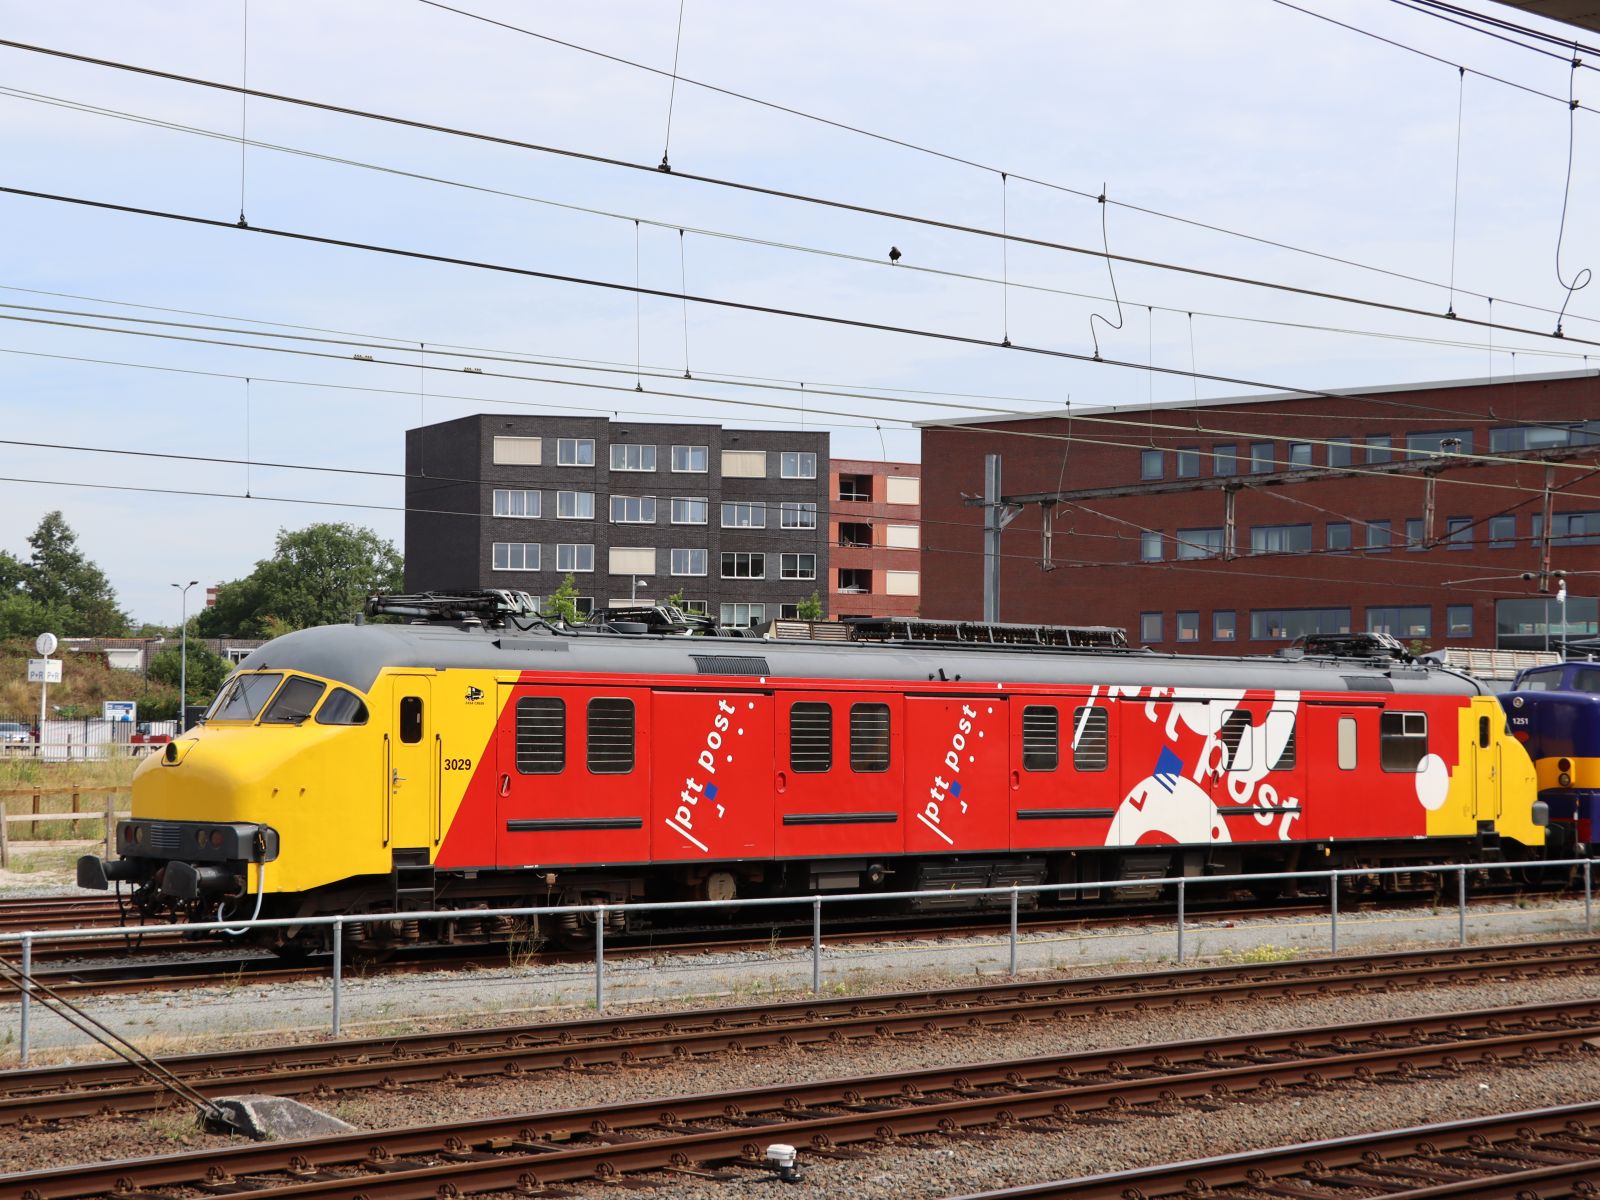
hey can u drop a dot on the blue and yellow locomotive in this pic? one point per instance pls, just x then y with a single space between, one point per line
1554 711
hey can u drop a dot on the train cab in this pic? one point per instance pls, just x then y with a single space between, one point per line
1554 711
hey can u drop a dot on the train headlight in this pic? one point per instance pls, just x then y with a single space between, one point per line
200 838
1564 765
138 834
1564 779
216 839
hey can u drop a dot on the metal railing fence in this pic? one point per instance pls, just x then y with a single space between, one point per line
27 939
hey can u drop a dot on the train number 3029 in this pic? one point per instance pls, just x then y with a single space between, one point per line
458 764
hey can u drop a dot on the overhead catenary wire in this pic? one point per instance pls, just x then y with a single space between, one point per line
751 188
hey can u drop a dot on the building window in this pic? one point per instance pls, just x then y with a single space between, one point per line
516 502
1511 439
1341 452
1458 620
1283 624
1502 533
855 488
797 515
1414 536
1379 448
1299 454
1151 464
1041 737
743 515
574 557
689 460
1188 462
1279 539
584 605
632 560
1338 536
1150 627
541 735
854 535
575 506
518 451
901 583
574 452
744 566
1458 532
633 510
690 510
1224 625
794 464
810 738
1150 546
1413 621
1402 741
855 580
1260 458
902 489
1188 626
869 737
744 464
695 606
797 566
1379 536
788 612
1199 543
689 562
516 556
626 457
1091 738
610 736
742 616
1225 460
1575 529
1439 441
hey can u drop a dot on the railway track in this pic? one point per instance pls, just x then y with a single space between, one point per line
715 1135
40 1095
1541 1154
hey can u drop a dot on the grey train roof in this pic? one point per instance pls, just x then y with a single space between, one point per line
354 654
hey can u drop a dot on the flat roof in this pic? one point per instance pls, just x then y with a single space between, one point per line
1254 398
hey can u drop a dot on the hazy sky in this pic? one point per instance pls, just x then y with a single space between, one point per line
1240 113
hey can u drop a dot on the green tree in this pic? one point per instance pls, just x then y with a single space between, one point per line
58 588
675 600
562 604
207 670
319 575
810 609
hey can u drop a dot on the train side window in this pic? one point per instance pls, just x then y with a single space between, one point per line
1235 726
1347 743
1402 740
1289 752
1483 732
1091 739
342 707
294 702
410 719
1041 737
610 736
811 738
869 737
541 735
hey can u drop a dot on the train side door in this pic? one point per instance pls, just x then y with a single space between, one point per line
836 776
1063 786
1342 740
712 797
412 765
1486 780
574 776
958 797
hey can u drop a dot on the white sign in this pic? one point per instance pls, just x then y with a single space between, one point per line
44 670
119 710
45 644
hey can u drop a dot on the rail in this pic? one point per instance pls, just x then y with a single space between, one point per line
27 939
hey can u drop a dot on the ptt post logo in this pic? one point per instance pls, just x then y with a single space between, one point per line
947 791
699 784
474 695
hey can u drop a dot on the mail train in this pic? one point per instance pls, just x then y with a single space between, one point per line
419 767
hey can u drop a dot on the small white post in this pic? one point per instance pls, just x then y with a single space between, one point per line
1461 906
816 944
1014 893
1180 921
338 973
1333 910
1588 899
599 957
27 997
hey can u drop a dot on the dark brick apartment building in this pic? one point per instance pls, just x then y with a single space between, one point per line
1241 524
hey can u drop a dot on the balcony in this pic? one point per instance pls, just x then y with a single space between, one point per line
855 536
854 581
856 488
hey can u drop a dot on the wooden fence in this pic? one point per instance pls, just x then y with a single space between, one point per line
104 809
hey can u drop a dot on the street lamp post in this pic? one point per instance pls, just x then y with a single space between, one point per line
183 649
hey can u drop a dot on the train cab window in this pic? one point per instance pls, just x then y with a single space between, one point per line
1402 740
810 738
342 707
1586 679
294 701
410 719
1347 743
869 737
1235 726
1091 739
245 697
1281 733
541 735
1547 680
1041 737
610 737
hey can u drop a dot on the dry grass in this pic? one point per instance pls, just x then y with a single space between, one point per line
19 777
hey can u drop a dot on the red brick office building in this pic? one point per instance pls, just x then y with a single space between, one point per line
1240 524
874 538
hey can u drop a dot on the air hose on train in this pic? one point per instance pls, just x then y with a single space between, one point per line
261 889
